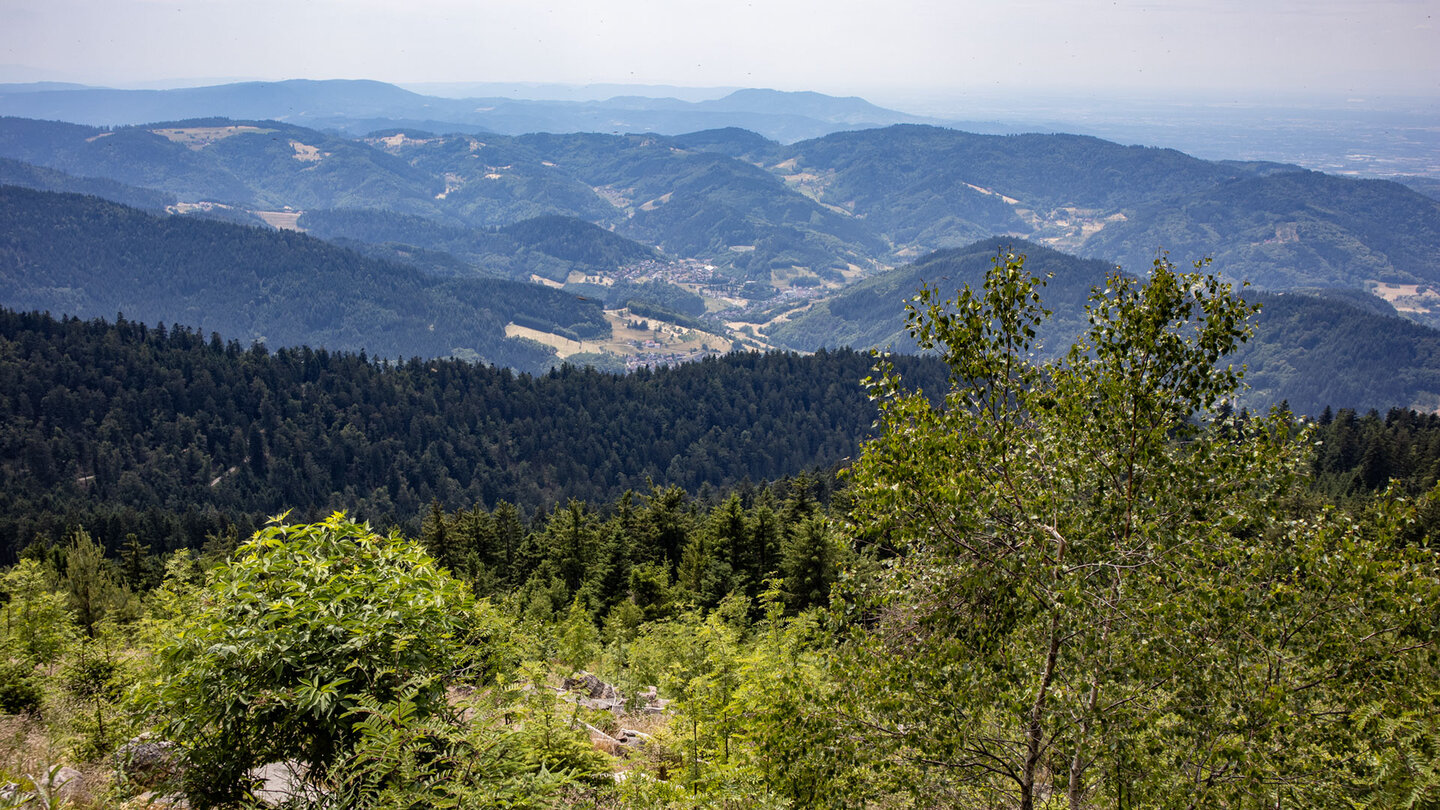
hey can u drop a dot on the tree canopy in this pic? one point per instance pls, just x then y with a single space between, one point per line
1092 583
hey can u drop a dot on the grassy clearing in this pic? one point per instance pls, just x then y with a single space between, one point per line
284 220
197 138
624 341
1407 297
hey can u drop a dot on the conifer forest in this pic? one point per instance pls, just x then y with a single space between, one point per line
974 577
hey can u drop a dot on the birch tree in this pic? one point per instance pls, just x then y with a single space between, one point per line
1087 573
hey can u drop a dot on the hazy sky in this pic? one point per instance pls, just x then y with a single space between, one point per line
1355 47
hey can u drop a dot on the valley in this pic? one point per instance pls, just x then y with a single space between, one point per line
724 238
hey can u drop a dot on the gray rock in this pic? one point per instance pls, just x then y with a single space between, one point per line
64 784
592 686
631 738
603 704
146 759
651 697
68 784
280 782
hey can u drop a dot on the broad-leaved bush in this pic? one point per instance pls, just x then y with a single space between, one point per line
303 626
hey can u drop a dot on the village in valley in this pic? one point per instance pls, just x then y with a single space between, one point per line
735 313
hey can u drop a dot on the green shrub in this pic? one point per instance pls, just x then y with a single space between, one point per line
20 691
305 625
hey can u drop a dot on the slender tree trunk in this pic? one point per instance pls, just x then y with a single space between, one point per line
1076 791
1034 734
1077 763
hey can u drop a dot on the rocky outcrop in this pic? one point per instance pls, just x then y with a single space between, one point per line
60 785
651 702
591 686
145 760
591 692
281 782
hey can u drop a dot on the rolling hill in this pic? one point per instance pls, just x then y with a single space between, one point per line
1290 229
792 224
691 203
838 205
80 255
1314 351
77 255
17 173
870 314
550 246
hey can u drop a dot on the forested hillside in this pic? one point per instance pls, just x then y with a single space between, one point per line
835 206
172 434
262 165
701 204
549 246
1318 350
83 256
16 173
1332 349
1363 453
929 187
863 314
1287 230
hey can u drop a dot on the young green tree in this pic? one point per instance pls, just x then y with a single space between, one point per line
695 659
35 618
509 528
577 638
570 542
1065 605
91 584
36 629
92 679
436 537
136 564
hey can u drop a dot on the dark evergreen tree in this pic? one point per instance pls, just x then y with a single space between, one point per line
810 564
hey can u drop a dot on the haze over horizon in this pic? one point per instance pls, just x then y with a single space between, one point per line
1336 85
907 51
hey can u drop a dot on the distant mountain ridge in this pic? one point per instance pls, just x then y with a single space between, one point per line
819 213
360 106
692 203
78 255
